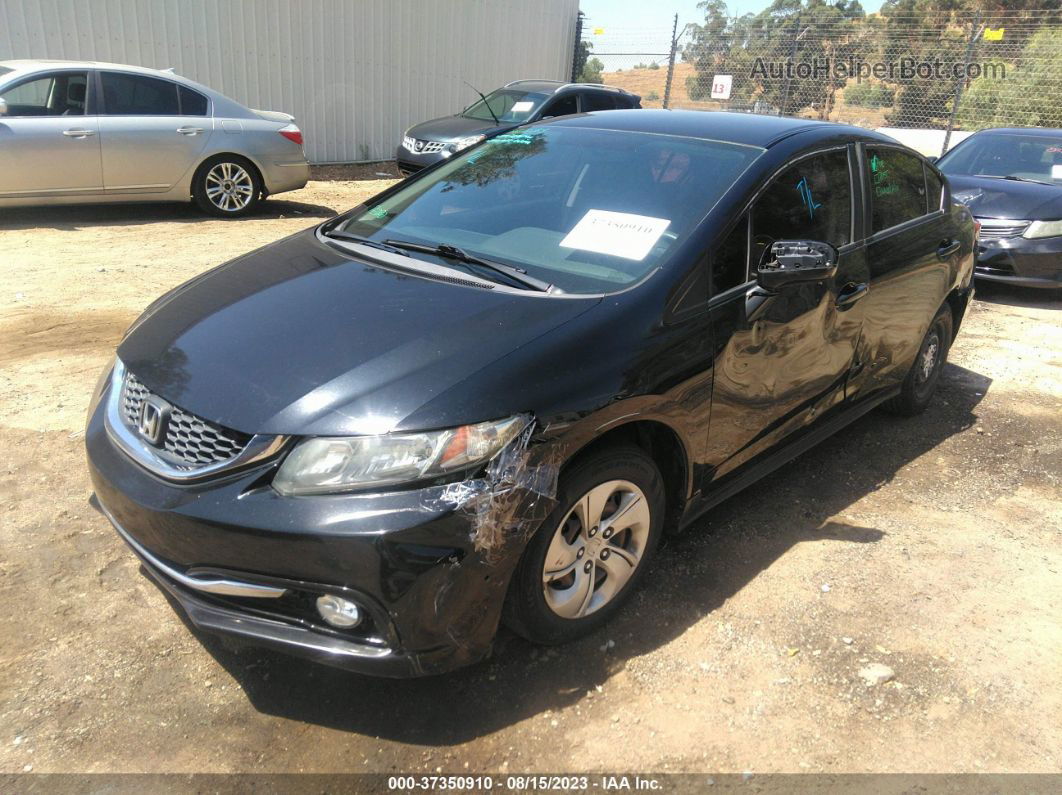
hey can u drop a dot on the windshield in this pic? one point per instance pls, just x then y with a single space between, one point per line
586 210
1035 157
509 105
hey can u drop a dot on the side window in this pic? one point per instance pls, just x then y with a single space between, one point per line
192 102
934 189
561 106
897 187
592 100
810 200
61 94
138 95
730 260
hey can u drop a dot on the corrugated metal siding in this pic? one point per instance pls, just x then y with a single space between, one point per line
355 73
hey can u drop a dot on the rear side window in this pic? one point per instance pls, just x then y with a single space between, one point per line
138 95
561 106
61 94
897 187
192 102
595 101
934 189
811 200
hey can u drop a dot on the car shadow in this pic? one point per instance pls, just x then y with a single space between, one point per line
72 218
693 574
1012 295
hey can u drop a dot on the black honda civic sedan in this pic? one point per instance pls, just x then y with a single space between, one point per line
1011 179
486 394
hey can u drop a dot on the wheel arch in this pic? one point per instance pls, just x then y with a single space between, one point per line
206 158
661 442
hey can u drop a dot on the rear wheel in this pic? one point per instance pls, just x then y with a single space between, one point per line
590 553
227 186
921 382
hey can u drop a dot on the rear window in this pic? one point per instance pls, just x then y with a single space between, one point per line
590 211
138 95
5 70
897 187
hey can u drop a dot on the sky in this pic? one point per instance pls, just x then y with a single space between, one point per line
645 25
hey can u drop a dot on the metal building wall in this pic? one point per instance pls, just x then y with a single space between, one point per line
355 73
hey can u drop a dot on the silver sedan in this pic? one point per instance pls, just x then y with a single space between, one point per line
84 132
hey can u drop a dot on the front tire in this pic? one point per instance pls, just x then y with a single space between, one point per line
227 186
918 387
591 552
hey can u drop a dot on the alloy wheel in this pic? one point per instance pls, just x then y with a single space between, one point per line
596 549
229 187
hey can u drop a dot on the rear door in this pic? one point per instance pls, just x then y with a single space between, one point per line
781 370
49 136
910 242
148 143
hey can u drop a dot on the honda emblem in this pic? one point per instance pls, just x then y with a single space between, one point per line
154 414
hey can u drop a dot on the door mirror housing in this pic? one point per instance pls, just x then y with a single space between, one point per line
795 262
932 159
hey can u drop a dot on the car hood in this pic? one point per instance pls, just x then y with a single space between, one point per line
303 338
454 128
1006 198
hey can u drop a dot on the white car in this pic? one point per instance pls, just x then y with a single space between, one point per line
74 132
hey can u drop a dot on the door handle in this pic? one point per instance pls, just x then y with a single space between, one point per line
851 293
78 133
947 248
189 130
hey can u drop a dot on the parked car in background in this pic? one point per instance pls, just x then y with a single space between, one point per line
1011 179
516 103
74 132
486 393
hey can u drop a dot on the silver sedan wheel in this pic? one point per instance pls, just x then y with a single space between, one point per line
596 549
229 187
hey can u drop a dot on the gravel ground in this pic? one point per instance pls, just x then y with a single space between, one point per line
892 601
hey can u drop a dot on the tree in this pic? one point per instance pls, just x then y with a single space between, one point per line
591 72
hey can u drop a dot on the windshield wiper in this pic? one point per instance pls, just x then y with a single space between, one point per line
447 251
1014 178
490 110
339 234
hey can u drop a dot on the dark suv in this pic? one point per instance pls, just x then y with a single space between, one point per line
516 103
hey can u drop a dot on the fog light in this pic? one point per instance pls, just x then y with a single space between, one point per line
338 612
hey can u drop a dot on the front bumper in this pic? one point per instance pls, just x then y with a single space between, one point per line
412 162
1020 261
432 594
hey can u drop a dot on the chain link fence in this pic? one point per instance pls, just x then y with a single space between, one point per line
947 71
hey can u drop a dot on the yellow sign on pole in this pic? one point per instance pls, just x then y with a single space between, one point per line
994 35
598 31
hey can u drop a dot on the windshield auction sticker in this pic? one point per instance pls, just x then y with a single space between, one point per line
522 107
619 234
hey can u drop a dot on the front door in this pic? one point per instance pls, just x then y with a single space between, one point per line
782 369
147 144
49 142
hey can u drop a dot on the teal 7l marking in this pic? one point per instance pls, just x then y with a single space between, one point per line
805 194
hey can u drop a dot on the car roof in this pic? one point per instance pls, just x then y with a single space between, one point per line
553 86
28 66
1021 130
742 128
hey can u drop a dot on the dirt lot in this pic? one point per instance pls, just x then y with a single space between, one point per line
932 546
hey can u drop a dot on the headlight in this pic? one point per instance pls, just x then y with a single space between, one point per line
325 465
1043 229
464 143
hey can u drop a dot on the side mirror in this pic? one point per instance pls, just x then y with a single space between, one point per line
796 261
3 106
933 159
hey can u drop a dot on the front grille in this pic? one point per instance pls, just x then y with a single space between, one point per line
190 441
425 147
997 229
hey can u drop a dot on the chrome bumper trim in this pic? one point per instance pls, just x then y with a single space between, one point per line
214 585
